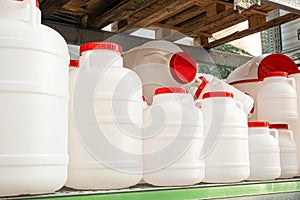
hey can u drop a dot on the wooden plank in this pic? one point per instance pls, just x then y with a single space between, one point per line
227 25
255 20
185 15
261 27
48 7
168 34
206 23
164 10
121 11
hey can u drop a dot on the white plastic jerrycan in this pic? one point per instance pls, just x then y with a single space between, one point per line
160 64
215 84
226 149
295 126
277 99
106 111
288 151
264 152
173 139
33 102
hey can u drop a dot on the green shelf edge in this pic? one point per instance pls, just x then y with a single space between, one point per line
202 192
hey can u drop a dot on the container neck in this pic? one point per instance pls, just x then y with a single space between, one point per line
258 131
274 79
168 97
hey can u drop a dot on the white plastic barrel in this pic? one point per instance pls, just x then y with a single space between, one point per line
277 99
259 66
104 158
160 63
216 84
226 138
33 102
173 139
295 126
264 152
249 87
288 151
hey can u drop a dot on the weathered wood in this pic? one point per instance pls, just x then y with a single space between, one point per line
48 7
121 11
210 22
185 15
255 20
168 34
261 27
163 10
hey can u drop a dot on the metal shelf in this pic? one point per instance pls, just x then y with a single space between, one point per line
200 191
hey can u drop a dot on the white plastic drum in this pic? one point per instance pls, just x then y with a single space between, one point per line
226 138
264 152
295 126
173 139
288 151
33 102
160 63
277 99
259 66
110 156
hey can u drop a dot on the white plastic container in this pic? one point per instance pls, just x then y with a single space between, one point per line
33 101
216 84
264 152
295 126
260 65
249 87
173 139
226 138
277 99
288 151
160 64
109 157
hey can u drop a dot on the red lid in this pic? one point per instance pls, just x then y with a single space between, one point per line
74 63
277 73
201 87
183 67
276 62
37 3
217 94
295 72
258 124
100 45
246 81
171 90
279 126
143 97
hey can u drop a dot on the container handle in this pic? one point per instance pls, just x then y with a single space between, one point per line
291 81
201 86
274 133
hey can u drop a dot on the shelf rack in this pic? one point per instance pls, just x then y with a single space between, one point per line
200 191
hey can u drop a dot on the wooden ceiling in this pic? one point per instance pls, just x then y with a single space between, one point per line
195 18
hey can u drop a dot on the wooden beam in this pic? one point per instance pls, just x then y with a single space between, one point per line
206 23
157 24
48 7
184 16
261 27
165 9
255 20
168 34
121 11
